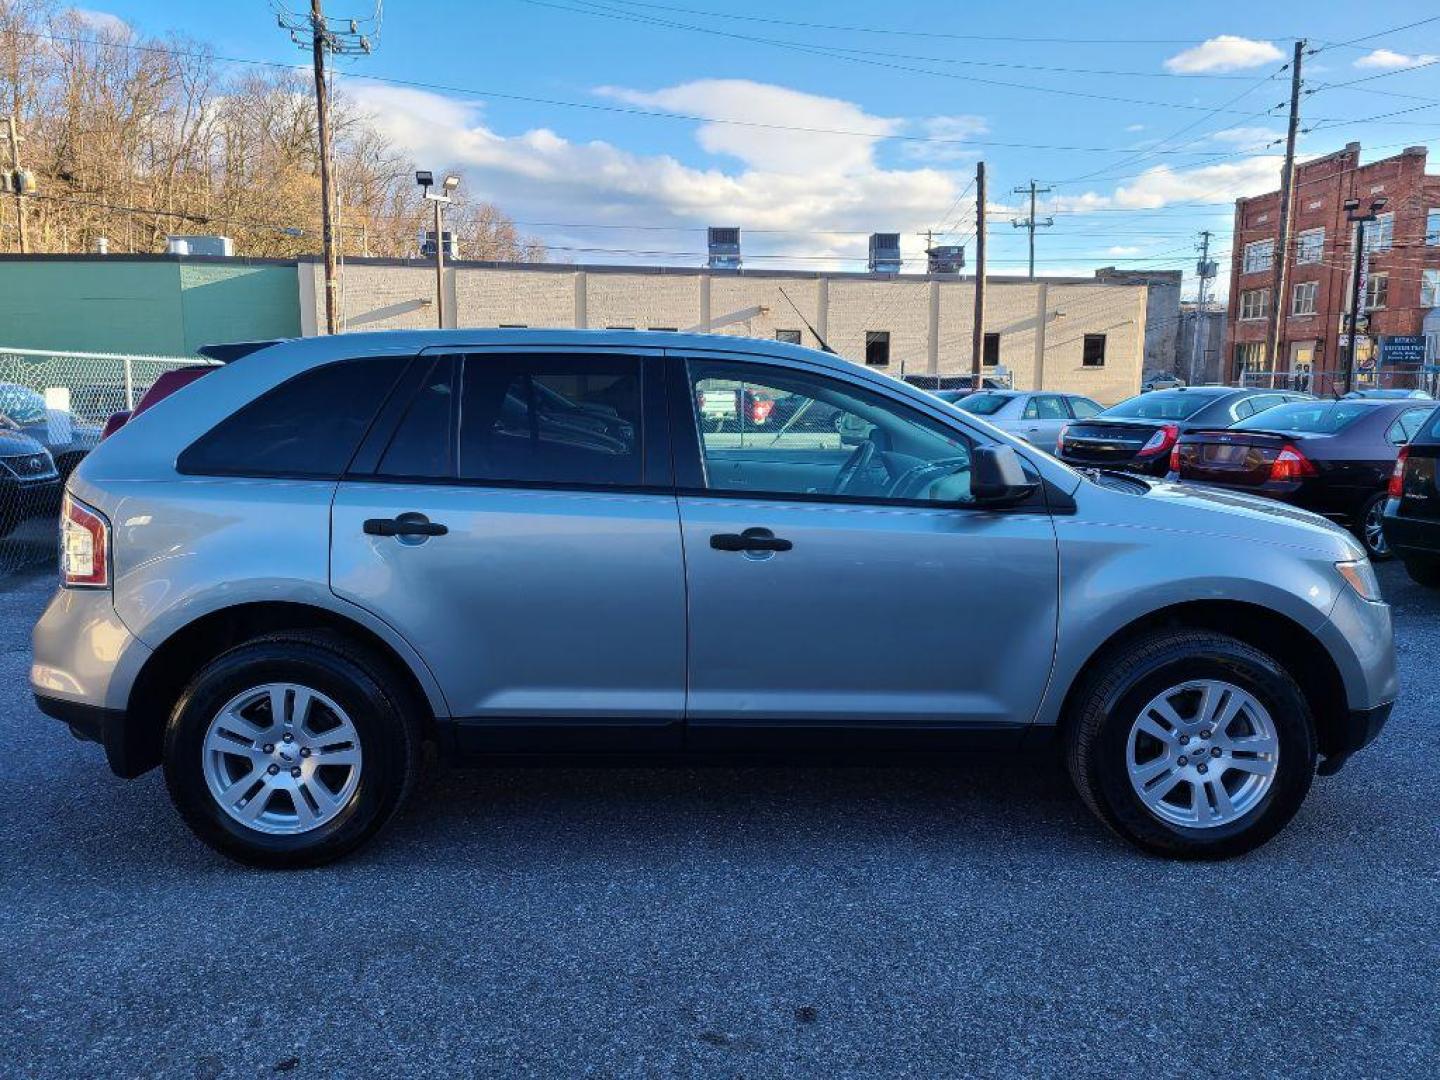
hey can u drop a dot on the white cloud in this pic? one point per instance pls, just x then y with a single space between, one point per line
102 22
1121 249
1162 185
1134 127
954 129
1224 53
796 181
1247 138
1388 58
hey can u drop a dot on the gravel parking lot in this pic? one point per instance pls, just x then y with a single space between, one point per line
782 921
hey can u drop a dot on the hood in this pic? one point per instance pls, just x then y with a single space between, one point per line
13 442
1197 508
83 436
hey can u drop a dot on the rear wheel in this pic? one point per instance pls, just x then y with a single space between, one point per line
1424 571
291 750
1191 744
1370 528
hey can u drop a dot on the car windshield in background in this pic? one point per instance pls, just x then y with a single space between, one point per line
22 405
1161 405
1311 417
983 404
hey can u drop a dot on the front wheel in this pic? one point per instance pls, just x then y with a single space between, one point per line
1370 528
1191 744
290 750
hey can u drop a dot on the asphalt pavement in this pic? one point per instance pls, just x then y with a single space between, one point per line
836 921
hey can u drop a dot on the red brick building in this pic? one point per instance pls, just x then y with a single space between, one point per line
1402 285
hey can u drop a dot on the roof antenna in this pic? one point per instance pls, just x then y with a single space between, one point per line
823 346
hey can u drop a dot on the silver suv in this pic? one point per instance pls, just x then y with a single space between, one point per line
282 580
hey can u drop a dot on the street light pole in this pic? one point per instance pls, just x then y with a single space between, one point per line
426 180
1359 220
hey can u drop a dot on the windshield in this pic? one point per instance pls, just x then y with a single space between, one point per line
21 404
1162 405
1315 417
983 404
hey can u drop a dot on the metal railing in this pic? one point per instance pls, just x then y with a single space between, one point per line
53 406
1327 383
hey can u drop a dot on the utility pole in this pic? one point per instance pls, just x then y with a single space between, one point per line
1358 282
17 183
1278 305
321 37
977 339
1205 270
1030 223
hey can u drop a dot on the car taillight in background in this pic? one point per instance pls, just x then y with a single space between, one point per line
1396 488
84 546
1291 464
1175 458
1060 439
760 408
1160 443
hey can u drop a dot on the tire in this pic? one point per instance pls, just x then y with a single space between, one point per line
1370 527
1126 682
1424 571
346 803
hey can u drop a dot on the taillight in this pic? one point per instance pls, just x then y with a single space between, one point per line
1163 439
1175 458
1396 489
84 546
1291 464
1060 439
760 410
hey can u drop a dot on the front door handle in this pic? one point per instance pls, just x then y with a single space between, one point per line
756 539
404 525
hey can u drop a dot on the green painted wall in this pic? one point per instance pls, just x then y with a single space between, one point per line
167 307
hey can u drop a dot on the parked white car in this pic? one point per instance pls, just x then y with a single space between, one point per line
1030 415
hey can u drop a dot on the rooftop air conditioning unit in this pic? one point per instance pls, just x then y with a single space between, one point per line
724 247
885 253
220 246
946 259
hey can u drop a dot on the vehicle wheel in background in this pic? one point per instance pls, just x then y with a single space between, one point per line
1424 571
1370 528
1191 744
291 749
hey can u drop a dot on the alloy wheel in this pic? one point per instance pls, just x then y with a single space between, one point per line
282 758
1374 528
1202 754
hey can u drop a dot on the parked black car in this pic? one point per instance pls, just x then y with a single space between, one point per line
1412 511
29 482
1332 457
1139 433
66 435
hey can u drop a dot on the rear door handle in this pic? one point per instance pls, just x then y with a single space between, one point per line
755 539
404 525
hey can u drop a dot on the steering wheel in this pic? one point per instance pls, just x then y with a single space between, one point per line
914 480
858 461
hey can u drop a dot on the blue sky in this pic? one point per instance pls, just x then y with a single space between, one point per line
1162 114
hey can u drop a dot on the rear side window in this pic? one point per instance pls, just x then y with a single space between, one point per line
551 419
983 404
1162 405
1407 425
1083 408
307 427
422 446
1317 417
1045 407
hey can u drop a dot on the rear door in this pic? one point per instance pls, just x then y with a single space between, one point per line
842 581
512 516
1044 416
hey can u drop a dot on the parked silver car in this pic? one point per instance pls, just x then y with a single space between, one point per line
282 579
1033 415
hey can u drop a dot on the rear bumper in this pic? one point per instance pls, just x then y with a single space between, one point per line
1411 536
1362 728
110 728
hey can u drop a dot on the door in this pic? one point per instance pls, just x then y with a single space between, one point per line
1044 416
838 574
514 520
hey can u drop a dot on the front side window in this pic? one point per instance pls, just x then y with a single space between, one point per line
551 419
308 426
1377 291
1093 351
1258 256
1309 246
1254 304
1304 300
779 432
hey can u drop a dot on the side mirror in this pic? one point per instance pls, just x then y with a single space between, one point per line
997 478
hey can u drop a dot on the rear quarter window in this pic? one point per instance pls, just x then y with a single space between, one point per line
307 427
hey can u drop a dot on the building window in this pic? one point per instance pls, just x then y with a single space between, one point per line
1430 288
1258 256
1254 304
990 354
1380 233
791 337
1304 299
1093 354
1249 357
1377 291
1310 246
1432 227
877 348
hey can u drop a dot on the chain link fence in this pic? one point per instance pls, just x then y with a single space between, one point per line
53 407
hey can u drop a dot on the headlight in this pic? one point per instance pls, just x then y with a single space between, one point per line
1361 576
